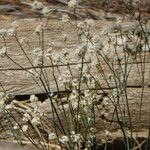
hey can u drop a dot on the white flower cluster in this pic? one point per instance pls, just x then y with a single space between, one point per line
23 40
24 128
81 50
75 83
16 127
81 25
89 22
9 106
66 79
96 45
11 32
39 56
36 5
52 136
54 56
87 101
64 139
75 138
104 107
2 99
26 117
84 28
3 32
33 99
49 52
3 52
35 120
73 98
32 114
39 28
46 11
93 131
65 18
91 135
73 3
8 32
125 37
107 133
89 96
86 77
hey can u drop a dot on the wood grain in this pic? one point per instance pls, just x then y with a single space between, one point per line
17 82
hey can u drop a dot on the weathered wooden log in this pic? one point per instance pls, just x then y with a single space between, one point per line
16 80
53 37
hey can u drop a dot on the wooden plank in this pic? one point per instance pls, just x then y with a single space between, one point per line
133 100
25 84
16 81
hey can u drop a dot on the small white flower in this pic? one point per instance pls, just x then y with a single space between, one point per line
37 50
9 106
65 78
75 83
35 110
89 22
52 136
119 20
78 117
3 51
146 48
73 96
103 141
64 139
38 61
105 102
65 37
39 28
33 98
75 105
1 103
122 41
46 11
75 137
26 117
11 32
55 58
107 133
23 40
89 143
2 95
137 15
25 128
3 32
49 52
37 5
81 25
65 18
16 126
35 121
72 3
81 50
